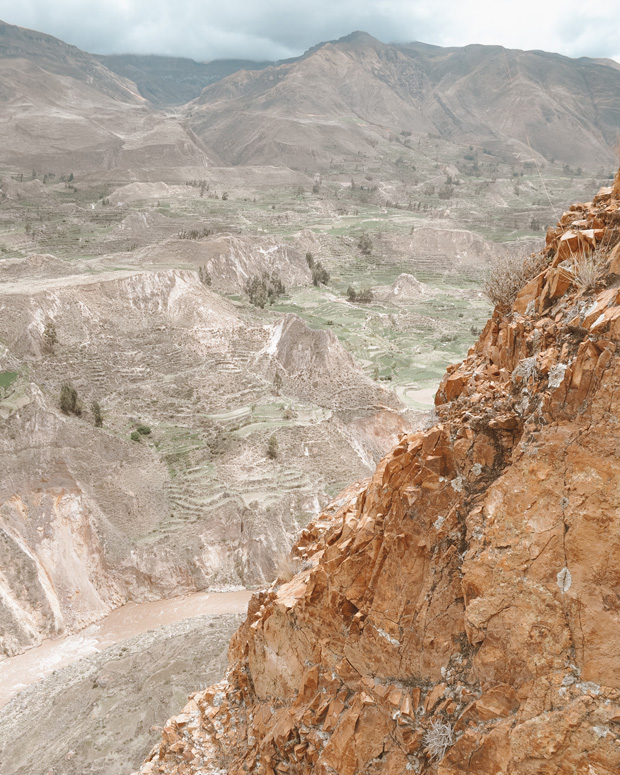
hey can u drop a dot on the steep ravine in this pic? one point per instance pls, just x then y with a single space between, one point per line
89 518
459 612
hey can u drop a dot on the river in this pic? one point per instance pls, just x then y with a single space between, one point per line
18 672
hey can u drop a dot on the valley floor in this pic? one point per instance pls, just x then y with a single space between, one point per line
93 702
129 621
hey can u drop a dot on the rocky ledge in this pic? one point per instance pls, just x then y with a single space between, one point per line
460 612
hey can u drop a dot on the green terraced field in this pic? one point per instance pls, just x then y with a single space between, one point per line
7 378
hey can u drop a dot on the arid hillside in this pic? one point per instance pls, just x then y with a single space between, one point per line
342 98
179 489
217 314
459 612
63 111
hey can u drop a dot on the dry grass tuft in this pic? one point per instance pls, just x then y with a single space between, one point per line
438 739
288 567
588 268
510 274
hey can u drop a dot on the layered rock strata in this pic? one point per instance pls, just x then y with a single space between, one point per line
460 612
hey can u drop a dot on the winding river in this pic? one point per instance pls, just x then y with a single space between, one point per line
23 670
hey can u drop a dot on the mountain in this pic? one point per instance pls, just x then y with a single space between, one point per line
342 97
48 54
63 111
173 80
458 613
347 101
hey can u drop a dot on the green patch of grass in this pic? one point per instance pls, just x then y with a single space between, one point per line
7 378
405 347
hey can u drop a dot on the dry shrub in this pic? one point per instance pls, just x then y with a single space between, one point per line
69 401
589 268
287 568
438 739
290 566
509 274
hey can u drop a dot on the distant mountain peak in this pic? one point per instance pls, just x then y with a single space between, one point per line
358 36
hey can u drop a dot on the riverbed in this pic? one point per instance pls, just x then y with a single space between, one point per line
23 670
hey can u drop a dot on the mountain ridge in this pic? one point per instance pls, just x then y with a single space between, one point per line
551 104
63 59
336 103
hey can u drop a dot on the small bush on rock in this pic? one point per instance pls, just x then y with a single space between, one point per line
69 401
588 268
509 274
438 739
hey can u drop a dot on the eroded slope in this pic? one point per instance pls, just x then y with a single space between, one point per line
459 613
90 517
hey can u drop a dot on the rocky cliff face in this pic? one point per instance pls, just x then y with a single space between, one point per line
460 612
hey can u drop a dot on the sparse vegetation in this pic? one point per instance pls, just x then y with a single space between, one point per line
95 408
69 401
438 739
320 275
205 276
525 370
588 268
7 378
194 234
290 566
363 296
143 430
272 448
509 274
310 260
50 336
264 289
135 436
364 243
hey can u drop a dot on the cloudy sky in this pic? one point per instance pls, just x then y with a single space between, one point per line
276 29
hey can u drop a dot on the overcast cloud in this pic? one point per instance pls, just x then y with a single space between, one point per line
276 29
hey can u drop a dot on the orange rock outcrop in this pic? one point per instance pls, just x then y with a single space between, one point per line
460 612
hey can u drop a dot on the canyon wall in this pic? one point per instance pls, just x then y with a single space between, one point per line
460 612
90 518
